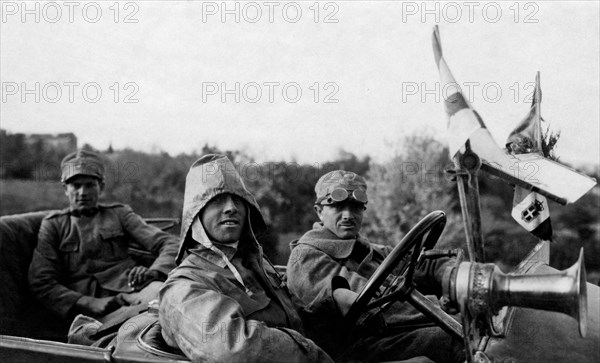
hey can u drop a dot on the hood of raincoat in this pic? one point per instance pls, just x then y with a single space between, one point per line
208 177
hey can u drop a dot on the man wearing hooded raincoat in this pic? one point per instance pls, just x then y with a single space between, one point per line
225 302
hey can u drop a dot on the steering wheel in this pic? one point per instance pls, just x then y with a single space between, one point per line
398 268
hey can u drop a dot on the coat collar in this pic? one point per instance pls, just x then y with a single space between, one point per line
326 241
211 256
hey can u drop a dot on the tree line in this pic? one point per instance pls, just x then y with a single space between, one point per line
401 191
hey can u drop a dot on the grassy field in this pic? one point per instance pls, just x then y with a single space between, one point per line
20 196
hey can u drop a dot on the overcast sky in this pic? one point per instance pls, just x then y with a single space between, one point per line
309 78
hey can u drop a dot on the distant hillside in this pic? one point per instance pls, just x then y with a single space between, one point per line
20 196
400 191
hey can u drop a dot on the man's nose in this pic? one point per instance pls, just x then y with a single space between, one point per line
347 213
229 206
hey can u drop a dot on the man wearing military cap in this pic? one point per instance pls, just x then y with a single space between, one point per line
82 162
81 263
334 248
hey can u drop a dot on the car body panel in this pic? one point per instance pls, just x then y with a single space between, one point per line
18 349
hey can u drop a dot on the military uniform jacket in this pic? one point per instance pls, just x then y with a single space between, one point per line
320 255
83 255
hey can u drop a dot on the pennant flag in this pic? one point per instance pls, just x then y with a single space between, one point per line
552 179
530 209
463 121
527 136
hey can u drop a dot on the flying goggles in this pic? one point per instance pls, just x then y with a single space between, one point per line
341 195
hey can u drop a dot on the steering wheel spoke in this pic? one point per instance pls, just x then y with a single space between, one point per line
403 260
397 295
435 313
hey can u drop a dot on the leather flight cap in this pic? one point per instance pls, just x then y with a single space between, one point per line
340 179
82 162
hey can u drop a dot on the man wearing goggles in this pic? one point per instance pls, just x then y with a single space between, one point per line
334 248
340 195
341 210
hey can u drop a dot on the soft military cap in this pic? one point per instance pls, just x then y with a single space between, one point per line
82 162
339 179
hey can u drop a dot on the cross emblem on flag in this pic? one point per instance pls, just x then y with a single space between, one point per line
533 211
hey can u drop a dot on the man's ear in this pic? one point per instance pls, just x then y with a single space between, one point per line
65 189
319 210
101 184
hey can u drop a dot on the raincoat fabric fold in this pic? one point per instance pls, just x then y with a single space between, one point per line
206 309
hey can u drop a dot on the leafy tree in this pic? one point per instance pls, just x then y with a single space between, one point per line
405 189
15 156
576 225
401 191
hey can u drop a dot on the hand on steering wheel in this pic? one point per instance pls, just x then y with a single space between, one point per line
398 267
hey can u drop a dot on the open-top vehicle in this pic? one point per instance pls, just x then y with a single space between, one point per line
534 314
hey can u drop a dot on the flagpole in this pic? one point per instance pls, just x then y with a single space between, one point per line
537 98
543 244
467 167
462 122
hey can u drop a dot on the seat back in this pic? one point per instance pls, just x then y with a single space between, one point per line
18 238
20 313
